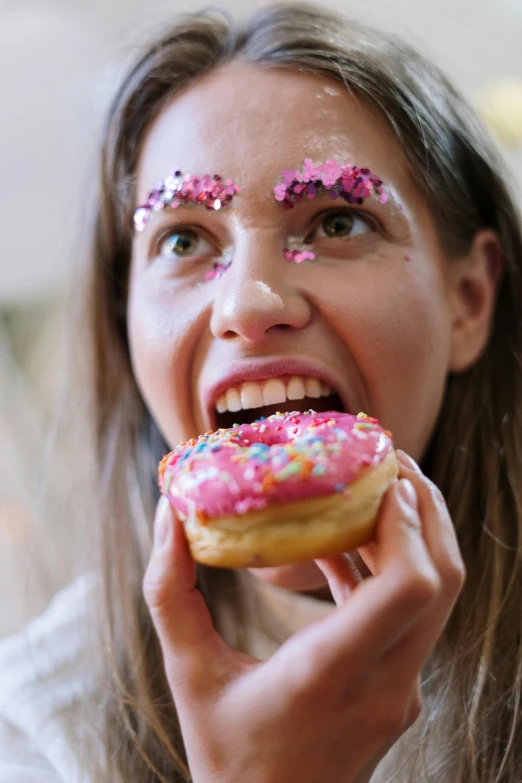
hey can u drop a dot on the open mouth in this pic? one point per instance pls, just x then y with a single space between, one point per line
244 403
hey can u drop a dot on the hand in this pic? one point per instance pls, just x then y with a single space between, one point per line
335 697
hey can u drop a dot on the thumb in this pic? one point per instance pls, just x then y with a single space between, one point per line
179 613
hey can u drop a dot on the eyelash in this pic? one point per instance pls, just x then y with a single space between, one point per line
371 220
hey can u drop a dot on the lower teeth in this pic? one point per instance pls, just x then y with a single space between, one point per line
247 416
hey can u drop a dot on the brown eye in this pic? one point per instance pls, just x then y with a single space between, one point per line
337 225
181 244
343 224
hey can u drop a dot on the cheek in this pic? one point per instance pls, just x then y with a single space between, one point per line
397 327
408 328
411 360
162 335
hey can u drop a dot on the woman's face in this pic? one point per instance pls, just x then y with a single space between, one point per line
370 315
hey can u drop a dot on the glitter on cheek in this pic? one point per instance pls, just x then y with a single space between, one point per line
298 251
218 268
298 256
217 271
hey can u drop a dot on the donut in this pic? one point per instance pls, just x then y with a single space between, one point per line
290 487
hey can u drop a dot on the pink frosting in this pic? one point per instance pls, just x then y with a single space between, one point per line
286 457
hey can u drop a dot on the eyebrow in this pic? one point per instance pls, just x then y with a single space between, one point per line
352 183
212 192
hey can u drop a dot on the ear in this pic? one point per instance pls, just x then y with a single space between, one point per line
473 282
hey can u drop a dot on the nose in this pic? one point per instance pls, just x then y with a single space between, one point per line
258 294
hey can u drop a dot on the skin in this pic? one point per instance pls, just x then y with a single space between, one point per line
336 695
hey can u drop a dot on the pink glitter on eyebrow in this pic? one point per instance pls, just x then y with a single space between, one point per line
176 189
351 183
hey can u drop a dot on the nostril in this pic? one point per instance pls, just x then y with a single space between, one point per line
230 334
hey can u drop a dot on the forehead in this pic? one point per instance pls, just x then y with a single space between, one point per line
249 123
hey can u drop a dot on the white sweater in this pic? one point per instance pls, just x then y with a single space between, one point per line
45 686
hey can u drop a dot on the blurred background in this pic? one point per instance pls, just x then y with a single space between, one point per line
60 63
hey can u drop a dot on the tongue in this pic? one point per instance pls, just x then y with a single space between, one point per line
321 404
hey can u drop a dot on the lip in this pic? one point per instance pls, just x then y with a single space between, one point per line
263 368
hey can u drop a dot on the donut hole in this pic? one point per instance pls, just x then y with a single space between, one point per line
320 405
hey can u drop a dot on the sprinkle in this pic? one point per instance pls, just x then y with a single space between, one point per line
365 417
306 467
163 465
289 470
201 516
268 482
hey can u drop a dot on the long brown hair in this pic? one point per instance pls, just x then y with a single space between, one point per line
475 454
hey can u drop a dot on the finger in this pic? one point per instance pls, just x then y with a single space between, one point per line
384 606
413 649
438 529
368 554
342 574
190 644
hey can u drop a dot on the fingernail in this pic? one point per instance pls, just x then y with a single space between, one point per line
407 493
407 461
162 523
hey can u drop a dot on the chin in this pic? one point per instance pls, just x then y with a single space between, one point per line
301 577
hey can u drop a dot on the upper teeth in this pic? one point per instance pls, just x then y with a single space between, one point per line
256 394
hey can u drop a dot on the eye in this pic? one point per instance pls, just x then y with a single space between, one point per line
182 244
343 224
